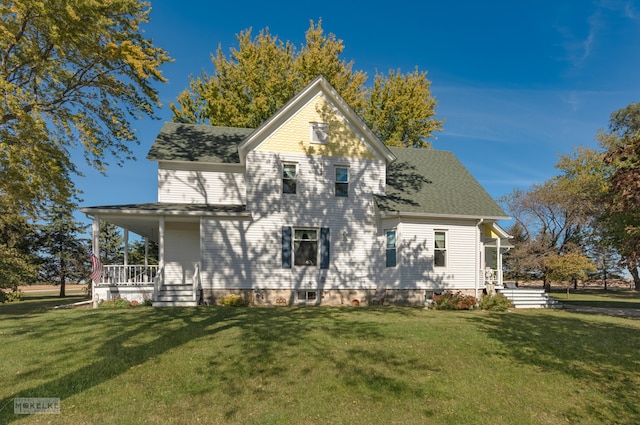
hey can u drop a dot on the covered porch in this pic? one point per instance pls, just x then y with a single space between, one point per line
175 280
496 244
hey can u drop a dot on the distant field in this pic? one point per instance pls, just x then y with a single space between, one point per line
613 298
316 365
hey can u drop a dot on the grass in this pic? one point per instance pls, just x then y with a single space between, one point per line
319 365
618 298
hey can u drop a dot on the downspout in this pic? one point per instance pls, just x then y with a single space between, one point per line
478 255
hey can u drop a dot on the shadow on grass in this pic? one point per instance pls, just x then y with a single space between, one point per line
32 304
602 353
119 340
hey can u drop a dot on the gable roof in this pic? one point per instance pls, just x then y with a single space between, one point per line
318 86
198 143
434 183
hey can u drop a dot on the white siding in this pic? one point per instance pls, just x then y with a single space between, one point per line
248 253
181 252
417 248
196 183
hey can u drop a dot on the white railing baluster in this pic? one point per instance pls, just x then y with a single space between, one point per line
129 275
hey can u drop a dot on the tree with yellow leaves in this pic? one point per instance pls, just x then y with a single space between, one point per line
71 74
263 73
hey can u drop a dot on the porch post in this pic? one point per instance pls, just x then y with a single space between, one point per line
161 242
126 247
146 252
499 261
95 248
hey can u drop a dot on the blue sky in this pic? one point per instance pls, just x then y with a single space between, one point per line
517 83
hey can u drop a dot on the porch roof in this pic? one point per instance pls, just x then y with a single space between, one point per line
144 219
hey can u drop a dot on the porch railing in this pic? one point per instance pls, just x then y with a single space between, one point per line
129 275
493 276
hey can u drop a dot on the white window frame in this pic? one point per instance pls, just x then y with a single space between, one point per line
294 252
309 296
319 133
336 182
444 249
387 249
295 178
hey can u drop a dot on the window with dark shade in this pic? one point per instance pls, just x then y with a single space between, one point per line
305 247
289 176
342 181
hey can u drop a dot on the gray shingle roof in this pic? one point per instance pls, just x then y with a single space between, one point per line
198 143
428 181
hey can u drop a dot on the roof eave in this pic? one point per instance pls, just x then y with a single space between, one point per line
158 212
407 214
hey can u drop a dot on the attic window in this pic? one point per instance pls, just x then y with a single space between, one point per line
319 132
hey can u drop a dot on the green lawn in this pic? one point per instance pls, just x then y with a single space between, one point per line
319 365
617 298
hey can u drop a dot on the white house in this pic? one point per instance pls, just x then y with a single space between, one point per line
309 208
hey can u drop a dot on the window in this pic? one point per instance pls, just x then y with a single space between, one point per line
300 247
440 249
391 248
307 295
342 181
319 132
289 174
305 247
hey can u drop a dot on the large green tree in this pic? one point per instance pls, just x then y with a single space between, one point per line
72 73
263 73
18 264
111 244
63 252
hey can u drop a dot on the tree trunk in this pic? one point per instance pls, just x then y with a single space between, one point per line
546 285
636 277
62 279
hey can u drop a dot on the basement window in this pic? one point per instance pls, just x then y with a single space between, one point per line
306 296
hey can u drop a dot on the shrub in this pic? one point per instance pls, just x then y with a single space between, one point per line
116 303
7 297
496 302
148 302
233 300
453 301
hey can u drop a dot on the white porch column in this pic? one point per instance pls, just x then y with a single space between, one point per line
95 236
499 261
126 247
146 252
95 248
161 242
